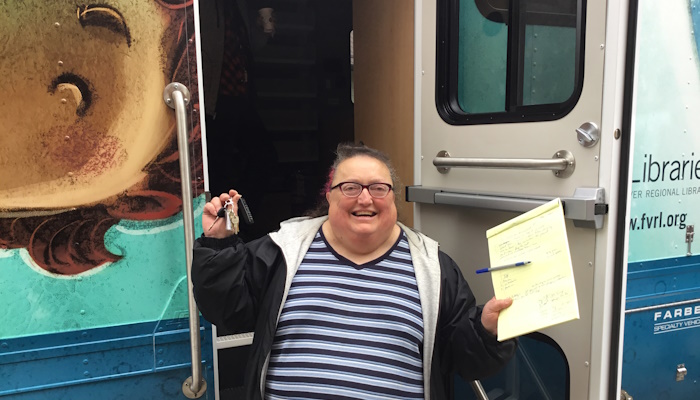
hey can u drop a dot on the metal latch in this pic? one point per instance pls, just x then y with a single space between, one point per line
681 372
600 209
689 233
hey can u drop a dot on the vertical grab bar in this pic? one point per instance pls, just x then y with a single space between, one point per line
176 96
479 390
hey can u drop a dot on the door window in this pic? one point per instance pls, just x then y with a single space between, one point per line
507 61
539 370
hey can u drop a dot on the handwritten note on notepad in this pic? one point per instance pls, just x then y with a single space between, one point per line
543 292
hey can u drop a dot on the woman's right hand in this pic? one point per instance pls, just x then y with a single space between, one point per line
218 230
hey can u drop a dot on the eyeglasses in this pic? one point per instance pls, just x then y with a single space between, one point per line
354 189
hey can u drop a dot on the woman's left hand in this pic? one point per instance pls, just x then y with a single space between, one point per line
489 315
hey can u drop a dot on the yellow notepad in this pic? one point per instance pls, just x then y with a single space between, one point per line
544 291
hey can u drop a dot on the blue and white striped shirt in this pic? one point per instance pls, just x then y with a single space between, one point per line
349 331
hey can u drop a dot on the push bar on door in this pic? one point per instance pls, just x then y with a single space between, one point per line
587 207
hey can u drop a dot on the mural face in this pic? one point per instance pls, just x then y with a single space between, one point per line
87 139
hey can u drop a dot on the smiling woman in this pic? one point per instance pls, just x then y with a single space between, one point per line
362 287
87 139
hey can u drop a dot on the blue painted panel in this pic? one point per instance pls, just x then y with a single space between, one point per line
154 386
658 339
83 364
651 283
655 346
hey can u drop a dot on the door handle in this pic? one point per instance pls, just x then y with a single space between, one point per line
562 164
176 96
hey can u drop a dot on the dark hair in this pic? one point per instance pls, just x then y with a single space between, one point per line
343 152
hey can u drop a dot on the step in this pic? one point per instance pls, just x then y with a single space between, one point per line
289 55
286 88
289 119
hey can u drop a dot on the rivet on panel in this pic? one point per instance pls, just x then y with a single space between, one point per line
57 24
587 364
67 137
86 373
64 101
602 46
616 134
595 158
85 361
60 63
82 312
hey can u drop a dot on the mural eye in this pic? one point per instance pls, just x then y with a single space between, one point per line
78 87
104 16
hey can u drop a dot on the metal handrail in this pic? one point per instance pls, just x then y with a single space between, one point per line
479 390
176 95
562 163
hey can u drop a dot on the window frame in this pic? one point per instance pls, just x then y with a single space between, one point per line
447 59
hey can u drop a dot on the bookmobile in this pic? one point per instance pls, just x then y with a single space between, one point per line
488 108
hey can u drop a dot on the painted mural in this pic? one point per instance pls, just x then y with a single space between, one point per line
666 171
89 164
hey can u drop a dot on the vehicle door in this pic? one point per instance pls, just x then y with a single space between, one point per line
510 100
100 181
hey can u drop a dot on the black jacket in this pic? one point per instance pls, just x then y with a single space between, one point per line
241 287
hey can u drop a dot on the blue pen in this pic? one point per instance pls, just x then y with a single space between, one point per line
517 264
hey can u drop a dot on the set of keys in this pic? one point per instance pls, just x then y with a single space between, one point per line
232 220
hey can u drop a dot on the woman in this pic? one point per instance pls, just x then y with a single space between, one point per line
351 304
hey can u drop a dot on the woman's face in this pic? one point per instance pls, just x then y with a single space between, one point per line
82 100
364 216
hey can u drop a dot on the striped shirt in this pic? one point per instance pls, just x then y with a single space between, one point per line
349 331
